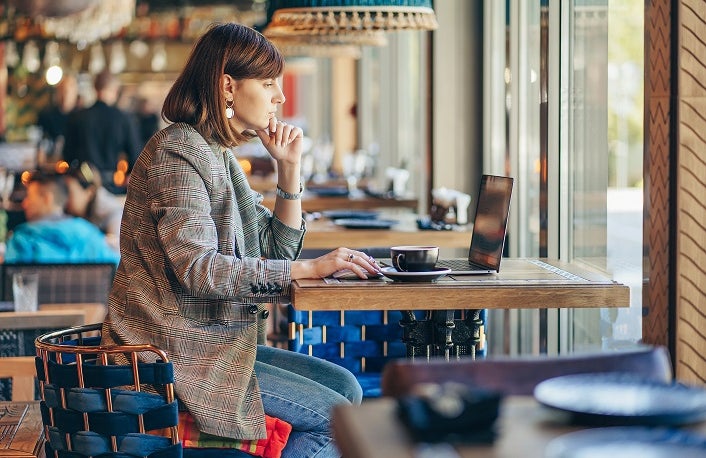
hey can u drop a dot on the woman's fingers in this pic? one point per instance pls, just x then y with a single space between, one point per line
357 261
282 134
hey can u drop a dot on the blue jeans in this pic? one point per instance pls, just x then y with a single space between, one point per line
301 390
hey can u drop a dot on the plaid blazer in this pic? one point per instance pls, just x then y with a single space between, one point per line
199 255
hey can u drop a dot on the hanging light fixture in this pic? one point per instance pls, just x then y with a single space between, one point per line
99 20
347 19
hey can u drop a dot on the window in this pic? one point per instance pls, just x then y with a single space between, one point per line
568 79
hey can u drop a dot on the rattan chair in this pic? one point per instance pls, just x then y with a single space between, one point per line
101 400
109 401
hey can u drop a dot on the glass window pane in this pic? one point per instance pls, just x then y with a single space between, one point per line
606 156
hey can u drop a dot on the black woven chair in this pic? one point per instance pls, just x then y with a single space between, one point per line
109 401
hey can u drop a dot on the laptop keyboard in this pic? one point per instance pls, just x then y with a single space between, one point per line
456 264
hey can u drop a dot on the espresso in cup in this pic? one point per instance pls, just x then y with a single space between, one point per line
412 258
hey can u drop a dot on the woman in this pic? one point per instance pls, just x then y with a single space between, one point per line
200 255
88 199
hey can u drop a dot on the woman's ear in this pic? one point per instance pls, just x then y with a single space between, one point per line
228 85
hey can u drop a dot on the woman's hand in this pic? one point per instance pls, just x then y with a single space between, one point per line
338 259
283 141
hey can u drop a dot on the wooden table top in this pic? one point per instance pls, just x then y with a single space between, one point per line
25 433
54 316
325 234
525 428
314 203
520 284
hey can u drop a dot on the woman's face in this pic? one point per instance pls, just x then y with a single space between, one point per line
255 102
37 202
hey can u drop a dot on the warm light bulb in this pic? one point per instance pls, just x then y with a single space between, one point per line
25 176
122 166
61 167
54 75
119 178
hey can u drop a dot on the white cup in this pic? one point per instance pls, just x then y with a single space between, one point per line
462 203
24 291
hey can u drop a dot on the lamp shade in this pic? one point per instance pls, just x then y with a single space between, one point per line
347 17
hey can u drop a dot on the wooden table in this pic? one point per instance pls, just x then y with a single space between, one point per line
372 430
27 325
520 284
325 234
43 319
25 433
314 203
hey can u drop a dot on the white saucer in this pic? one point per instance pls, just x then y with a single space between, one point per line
432 275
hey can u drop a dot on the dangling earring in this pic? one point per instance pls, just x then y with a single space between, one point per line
229 109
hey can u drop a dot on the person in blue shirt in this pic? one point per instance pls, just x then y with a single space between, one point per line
52 236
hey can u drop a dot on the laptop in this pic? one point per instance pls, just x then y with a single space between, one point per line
489 229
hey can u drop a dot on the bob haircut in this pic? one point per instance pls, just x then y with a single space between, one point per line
197 98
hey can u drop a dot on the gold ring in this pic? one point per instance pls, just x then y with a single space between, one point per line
350 257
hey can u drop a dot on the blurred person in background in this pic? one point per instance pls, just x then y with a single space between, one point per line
88 199
50 235
103 134
147 120
53 118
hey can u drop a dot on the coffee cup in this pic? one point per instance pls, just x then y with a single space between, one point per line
412 258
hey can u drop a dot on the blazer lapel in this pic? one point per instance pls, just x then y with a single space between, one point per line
247 239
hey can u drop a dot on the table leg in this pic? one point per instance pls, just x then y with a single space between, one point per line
441 333
416 335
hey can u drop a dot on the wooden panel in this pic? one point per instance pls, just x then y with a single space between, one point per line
690 339
656 295
692 49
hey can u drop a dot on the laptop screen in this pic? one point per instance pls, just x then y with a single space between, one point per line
490 224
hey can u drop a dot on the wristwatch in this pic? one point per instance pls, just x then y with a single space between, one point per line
288 195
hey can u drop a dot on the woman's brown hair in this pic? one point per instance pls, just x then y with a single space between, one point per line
197 97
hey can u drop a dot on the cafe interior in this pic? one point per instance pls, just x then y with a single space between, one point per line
586 338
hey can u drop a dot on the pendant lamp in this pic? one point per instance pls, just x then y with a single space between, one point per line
347 19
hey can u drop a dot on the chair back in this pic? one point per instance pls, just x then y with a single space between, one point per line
105 399
64 283
519 376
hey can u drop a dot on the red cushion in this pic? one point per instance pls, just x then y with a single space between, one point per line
277 435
